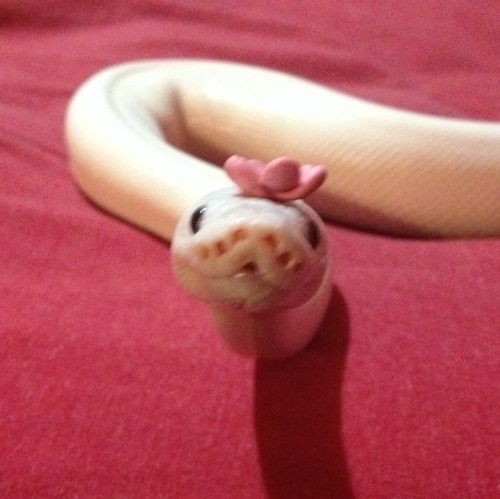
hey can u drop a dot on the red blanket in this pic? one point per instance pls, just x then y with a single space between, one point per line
113 383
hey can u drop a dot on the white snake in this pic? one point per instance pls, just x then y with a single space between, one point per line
136 133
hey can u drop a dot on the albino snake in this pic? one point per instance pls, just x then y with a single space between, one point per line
143 138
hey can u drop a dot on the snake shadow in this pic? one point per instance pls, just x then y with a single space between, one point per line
298 415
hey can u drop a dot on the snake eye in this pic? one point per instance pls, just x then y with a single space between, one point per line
196 218
313 234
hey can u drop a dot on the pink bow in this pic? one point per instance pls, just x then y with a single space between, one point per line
282 179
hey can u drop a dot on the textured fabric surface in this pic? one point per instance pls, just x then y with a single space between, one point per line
112 382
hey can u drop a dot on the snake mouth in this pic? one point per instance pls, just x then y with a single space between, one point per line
252 290
248 286
249 275
248 268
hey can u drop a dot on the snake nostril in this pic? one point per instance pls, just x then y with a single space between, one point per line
271 240
284 259
239 235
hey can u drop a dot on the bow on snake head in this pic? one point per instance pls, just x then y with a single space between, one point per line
256 252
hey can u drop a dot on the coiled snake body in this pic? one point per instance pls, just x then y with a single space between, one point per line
143 139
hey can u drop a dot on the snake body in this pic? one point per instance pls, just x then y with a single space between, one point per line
130 130
144 137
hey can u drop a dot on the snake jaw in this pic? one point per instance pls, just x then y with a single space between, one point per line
258 284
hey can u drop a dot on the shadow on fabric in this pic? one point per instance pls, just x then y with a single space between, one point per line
298 415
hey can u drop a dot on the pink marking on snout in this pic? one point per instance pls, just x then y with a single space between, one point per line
268 242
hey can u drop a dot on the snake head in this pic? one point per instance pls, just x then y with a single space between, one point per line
282 179
250 252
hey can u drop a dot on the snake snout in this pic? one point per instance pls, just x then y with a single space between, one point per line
252 250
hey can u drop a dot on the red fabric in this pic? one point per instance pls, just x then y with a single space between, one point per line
112 383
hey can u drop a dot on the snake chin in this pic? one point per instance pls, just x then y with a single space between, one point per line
249 291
